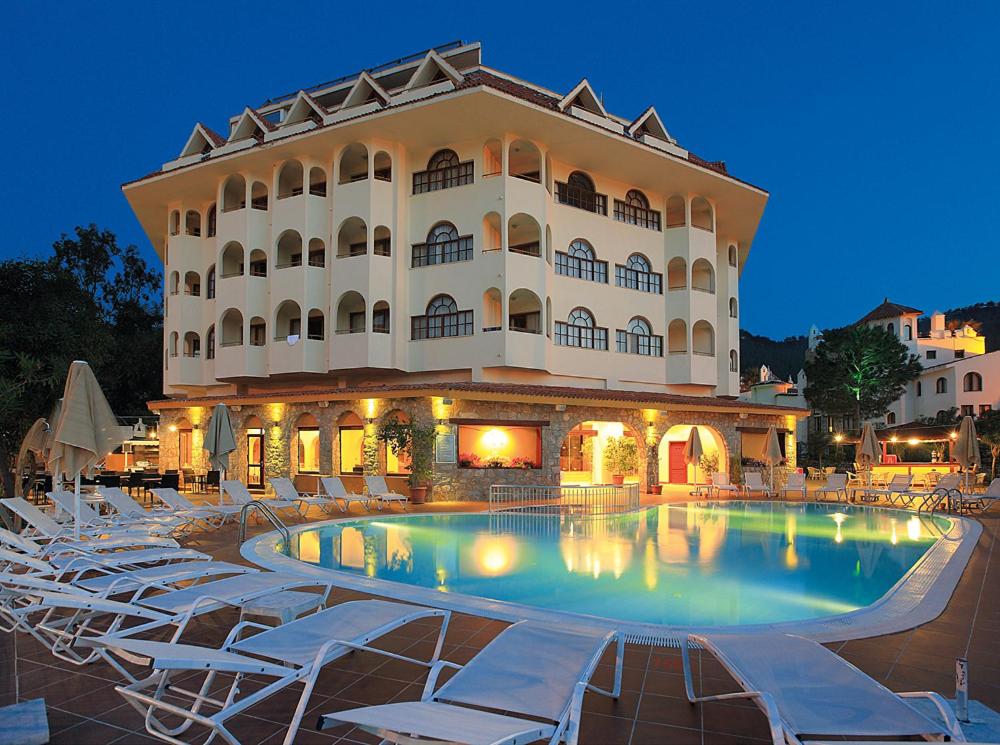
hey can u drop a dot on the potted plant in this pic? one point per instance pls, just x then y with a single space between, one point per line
416 443
622 457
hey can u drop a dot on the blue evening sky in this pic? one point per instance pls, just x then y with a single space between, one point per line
873 125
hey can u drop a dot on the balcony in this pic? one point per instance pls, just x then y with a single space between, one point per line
582 199
527 249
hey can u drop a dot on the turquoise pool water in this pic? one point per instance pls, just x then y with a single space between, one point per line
690 564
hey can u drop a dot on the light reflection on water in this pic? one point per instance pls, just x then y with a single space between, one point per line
690 564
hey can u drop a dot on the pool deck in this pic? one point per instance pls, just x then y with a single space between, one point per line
83 706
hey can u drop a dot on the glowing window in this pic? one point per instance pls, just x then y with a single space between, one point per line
351 459
308 448
499 446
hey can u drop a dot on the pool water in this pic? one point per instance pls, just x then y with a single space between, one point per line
688 564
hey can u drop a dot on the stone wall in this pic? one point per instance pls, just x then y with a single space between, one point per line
279 422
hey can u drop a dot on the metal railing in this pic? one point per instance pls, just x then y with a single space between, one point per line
548 499
271 518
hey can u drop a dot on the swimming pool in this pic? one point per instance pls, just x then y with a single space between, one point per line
690 565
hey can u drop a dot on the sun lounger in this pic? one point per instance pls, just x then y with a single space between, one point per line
931 499
211 515
43 527
899 484
130 510
796 484
379 492
294 653
335 489
805 689
982 502
534 672
720 484
93 520
836 484
285 490
753 483
241 496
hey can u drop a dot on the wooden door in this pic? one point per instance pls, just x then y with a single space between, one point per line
678 468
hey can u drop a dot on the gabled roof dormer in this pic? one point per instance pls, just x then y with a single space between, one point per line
365 90
250 124
304 108
584 97
649 123
433 69
201 142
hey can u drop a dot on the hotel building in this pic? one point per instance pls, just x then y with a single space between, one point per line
434 240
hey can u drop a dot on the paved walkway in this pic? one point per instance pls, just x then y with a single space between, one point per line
83 706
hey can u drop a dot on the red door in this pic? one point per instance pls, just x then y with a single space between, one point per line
678 468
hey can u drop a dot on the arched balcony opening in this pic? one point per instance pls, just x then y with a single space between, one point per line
192 344
351 313
258 332
676 212
352 238
316 325
212 221
703 338
548 317
289 250
524 235
173 343
290 179
232 260
175 222
734 361
492 234
382 241
317 182
492 158
734 308
317 252
548 245
380 317
210 343
677 342
353 164
258 195
210 283
192 284
382 166
972 381
231 324
701 214
492 310
524 312
734 258
258 263
908 332
234 193
288 321
524 161
192 223
890 418
702 276
174 285
677 274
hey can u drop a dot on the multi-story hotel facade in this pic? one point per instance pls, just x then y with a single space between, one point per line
433 239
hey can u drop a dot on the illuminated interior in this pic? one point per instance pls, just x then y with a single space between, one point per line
499 446
307 444
672 467
351 434
396 465
581 457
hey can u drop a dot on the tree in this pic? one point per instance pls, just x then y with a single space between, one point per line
858 370
988 430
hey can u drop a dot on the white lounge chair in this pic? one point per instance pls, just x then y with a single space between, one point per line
241 496
795 484
720 484
753 483
534 672
947 489
211 515
65 503
982 502
285 490
805 689
336 490
43 527
130 510
379 492
898 484
836 484
294 653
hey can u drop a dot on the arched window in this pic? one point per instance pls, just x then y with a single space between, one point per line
443 172
210 343
580 261
307 444
638 338
580 330
890 418
973 381
733 308
701 214
908 332
210 283
192 223
212 219
677 336
637 274
635 198
174 337
579 191
734 361
441 319
676 209
941 386
442 159
634 210
703 338
733 256
638 262
443 246
234 193
890 328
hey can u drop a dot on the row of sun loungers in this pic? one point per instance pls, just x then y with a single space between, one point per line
900 493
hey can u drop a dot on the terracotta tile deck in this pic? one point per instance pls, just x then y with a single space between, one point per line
84 708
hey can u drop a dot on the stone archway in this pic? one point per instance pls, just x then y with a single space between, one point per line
671 467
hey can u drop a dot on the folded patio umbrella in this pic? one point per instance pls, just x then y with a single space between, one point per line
33 442
87 429
771 453
219 439
967 448
869 450
693 451
50 433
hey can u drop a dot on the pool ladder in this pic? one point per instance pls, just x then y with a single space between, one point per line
272 518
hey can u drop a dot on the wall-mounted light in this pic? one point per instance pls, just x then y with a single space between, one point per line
560 407
172 427
447 401
838 438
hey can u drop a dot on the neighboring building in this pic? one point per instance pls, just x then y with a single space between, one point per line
771 390
435 230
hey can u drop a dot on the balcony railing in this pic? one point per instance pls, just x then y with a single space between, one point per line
635 215
527 249
353 249
351 330
582 199
443 178
382 247
444 252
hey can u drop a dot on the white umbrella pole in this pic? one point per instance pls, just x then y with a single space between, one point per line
76 505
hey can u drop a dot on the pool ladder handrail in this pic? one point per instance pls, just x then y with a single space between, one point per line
272 518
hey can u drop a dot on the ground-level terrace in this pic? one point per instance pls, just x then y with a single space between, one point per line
486 433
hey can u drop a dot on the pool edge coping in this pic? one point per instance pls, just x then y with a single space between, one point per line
918 597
